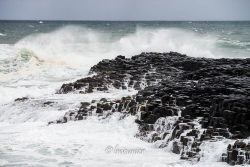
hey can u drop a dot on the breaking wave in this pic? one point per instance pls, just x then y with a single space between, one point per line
42 59
73 44
68 53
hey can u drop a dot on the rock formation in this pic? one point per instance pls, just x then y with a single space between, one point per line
181 100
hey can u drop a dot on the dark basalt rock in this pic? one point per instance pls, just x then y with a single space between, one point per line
22 99
237 154
177 96
48 103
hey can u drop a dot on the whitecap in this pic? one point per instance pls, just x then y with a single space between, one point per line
1 34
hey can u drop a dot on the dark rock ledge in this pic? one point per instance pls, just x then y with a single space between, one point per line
182 101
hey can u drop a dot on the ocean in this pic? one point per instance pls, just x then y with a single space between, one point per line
37 57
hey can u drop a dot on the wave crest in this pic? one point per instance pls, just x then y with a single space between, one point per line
74 44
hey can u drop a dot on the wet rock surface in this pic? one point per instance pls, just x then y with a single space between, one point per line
181 100
22 99
237 154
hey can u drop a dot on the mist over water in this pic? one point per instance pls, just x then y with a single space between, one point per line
37 58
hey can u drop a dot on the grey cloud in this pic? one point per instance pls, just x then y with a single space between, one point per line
125 9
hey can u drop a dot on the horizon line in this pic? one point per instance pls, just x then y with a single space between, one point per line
124 20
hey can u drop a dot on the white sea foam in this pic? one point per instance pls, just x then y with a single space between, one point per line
84 143
72 44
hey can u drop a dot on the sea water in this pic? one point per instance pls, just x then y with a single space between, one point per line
36 58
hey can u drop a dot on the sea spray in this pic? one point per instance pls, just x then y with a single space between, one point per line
65 55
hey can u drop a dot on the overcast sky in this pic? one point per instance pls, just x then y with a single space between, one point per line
125 9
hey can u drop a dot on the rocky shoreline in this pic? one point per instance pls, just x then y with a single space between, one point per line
181 100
